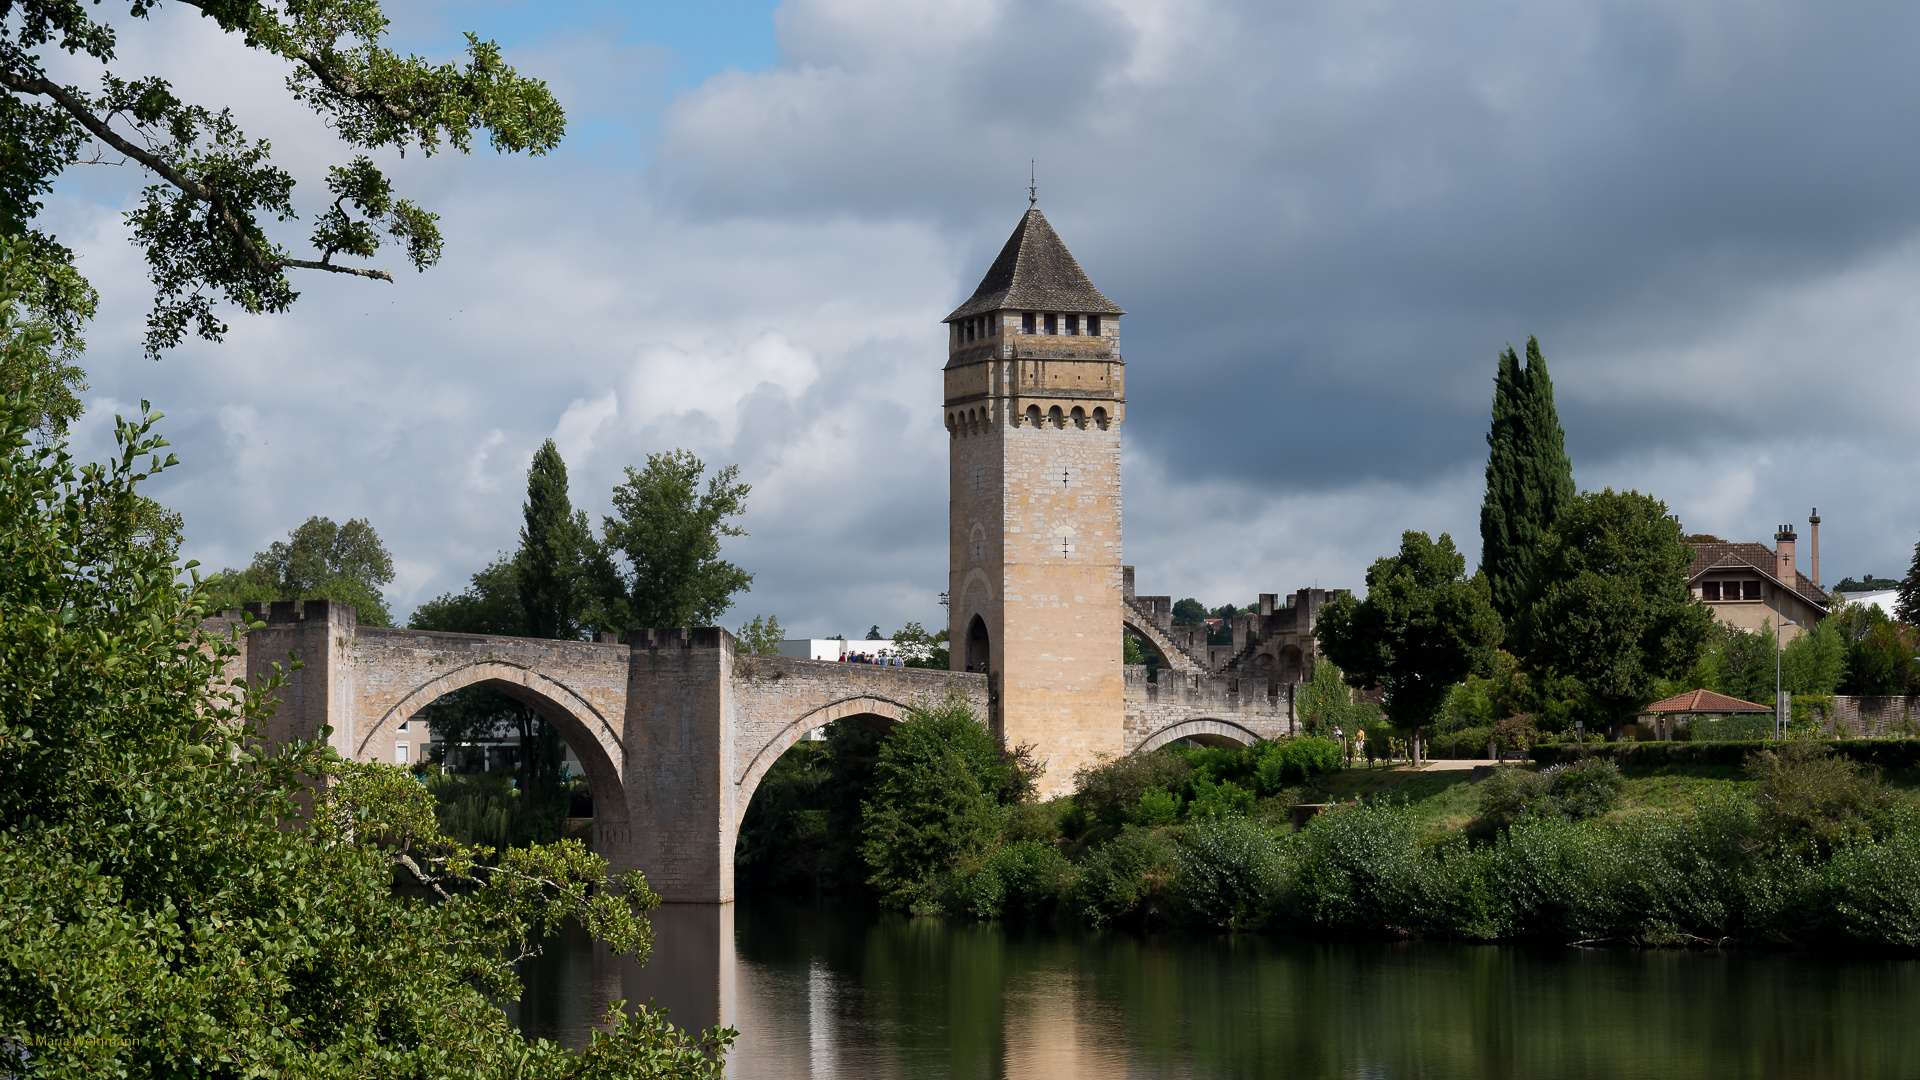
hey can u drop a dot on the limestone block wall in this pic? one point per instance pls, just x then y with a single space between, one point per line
1209 705
777 701
580 687
678 745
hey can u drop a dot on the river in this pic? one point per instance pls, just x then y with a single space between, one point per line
819 992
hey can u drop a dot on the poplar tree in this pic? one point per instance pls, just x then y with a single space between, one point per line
1907 603
1529 478
555 544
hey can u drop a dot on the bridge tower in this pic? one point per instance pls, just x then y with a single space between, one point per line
1035 396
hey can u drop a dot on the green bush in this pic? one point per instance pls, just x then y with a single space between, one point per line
1812 801
1106 789
1747 727
1225 799
1023 879
1042 821
1283 762
1156 808
1357 870
1463 744
1230 872
1873 891
1586 788
1562 880
1507 796
1128 879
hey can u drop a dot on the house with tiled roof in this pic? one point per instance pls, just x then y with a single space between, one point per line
1751 585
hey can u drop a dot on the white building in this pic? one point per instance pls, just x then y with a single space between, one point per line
837 649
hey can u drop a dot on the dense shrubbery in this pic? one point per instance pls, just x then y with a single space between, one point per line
1460 744
1885 753
1817 853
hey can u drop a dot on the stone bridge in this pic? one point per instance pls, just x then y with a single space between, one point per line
674 730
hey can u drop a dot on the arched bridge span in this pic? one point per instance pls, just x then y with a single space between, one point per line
675 731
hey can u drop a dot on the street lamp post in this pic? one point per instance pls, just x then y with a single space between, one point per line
1779 713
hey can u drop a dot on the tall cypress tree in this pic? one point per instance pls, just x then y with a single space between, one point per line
1529 477
548 567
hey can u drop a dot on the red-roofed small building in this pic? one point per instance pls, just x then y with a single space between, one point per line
1750 585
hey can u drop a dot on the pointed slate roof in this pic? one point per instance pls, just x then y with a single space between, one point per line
1035 272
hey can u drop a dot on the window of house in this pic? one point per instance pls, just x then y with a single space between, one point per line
399 753
1749 590
1053 323
1710 590
1073 325
1026 322
1093 325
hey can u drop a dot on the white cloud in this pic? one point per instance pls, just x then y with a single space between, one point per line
1324 221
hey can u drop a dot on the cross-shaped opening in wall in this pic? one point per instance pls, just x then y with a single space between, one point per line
1066 477
1065 546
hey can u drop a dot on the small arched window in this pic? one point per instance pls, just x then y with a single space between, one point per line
1033 415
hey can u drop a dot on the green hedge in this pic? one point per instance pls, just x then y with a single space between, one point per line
1465 743
1886 753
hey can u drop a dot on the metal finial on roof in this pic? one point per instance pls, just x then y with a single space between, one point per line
1033 189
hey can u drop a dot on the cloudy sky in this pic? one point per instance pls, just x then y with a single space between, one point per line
1324 219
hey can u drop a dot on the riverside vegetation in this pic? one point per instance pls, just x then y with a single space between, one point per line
1794 845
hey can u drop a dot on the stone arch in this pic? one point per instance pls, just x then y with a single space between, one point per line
979 645
1079 417
1033 416
1207 732
593 738
1292 664
1055 418
1100 417
885 709
1172 656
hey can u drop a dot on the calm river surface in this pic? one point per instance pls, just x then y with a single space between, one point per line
831 993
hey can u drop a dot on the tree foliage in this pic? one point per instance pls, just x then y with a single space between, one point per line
1423 626
1613 608
1325 701
1529 478
490 604
320 560
178 898
204 223
670 532
557 554
39 353
1907 604
917 648
761 637
938 787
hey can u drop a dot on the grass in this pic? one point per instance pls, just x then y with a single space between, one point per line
1447 801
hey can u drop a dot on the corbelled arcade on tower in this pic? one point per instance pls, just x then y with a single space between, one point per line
1035 397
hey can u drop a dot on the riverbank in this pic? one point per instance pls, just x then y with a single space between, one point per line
1790 844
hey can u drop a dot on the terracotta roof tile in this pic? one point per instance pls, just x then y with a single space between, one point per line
1705 701
1760 557
1035 272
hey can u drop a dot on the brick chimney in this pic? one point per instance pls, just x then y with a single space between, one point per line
1813 526
1783 555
